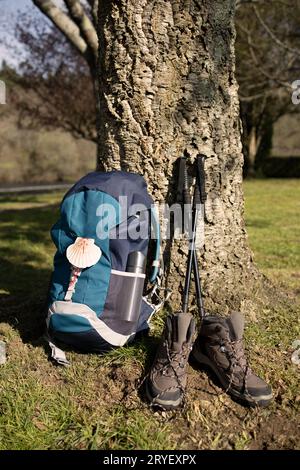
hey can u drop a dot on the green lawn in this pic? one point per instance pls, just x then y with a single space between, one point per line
96 403
273 224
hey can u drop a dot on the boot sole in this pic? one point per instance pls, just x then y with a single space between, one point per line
261 400
160 402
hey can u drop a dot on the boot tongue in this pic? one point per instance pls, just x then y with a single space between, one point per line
236 324
180 327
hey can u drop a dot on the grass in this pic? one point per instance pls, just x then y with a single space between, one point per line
96 403
272 219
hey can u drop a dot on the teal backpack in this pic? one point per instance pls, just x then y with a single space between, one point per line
96 296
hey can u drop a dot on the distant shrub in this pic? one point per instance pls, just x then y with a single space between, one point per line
28 156
281 167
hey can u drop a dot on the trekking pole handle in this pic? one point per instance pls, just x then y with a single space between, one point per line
182 183
186 190
201 179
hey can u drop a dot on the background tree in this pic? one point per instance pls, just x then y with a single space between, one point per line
76 21
56 89
268 60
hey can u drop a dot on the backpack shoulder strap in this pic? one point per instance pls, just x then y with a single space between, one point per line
157 294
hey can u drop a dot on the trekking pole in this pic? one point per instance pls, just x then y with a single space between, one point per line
192 255
199 201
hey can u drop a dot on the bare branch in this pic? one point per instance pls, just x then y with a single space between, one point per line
265 73
63 23
94 8
240 3
273 36
86 28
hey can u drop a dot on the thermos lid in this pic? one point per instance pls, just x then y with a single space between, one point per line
136 262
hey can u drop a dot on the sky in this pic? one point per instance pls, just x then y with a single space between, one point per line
9 11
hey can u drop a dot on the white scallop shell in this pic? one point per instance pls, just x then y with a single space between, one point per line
83 253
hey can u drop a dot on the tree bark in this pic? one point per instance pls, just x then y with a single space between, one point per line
167 88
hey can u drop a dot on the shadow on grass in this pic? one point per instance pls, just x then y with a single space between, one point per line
258 223
31 224
24 308
25 268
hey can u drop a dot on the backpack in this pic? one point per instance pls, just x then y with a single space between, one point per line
96 300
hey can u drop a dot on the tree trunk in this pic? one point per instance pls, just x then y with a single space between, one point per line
167 88
253 145
264 144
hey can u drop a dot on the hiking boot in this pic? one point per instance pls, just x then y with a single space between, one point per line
220 347
166 383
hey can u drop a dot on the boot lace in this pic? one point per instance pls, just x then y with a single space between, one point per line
239 367
177 361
